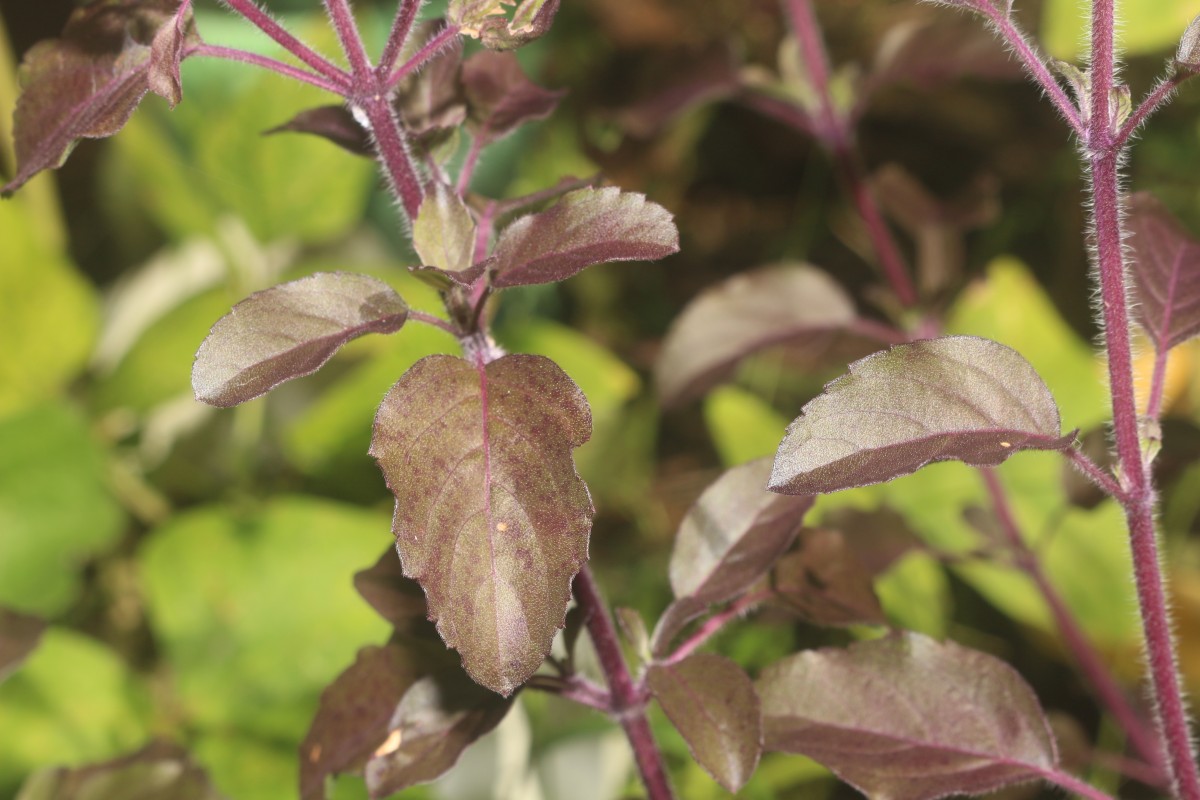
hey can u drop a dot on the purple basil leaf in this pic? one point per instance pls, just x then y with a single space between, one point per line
500 96
159 771
491 517
438 718
288 331
727 541
88 83
443 233
1166 272
908 718
712 703
878 538
957 397
430 101
530 21
398 599
825 583
334 123
19 636
790 305
585 227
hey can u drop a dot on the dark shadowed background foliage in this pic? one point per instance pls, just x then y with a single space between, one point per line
195 565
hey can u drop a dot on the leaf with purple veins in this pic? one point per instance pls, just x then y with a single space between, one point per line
87 84
585 227
289 331
957 397
908 718
1166 272
491 517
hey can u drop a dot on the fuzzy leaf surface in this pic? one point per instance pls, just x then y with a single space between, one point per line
728 540
289 331
794 305
908 718
825 583
501 97
88 83
956 397
444 232
585 227
334 123
491 517
713 704
19 635
1166 272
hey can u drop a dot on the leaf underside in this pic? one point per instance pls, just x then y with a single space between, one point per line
791 305
89 82
825 582
289 331
1166 272
908 718
957 397
712 703
491 517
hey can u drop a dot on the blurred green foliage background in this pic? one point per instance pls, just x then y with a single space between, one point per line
195 565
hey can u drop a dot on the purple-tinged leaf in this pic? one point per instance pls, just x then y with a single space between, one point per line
957 397
710 78
159 771
19 636
430 101
791 305
443 279
88 83
405 711
585 227
727 541
289 331
531 20
712 703
878 538
398 599
1166 272
825 583
940 48
491 517
908 718
1187 55
334 123
438 718
500 96
443 233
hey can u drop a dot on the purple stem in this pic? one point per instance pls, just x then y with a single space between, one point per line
713 625
261 20
628 702
1151 103
406 14
392 148
437 322
352 44
468 167
575 688
1086 657
278 67
1074 785
833 130
1092 470
1033 62
1104 155
427 51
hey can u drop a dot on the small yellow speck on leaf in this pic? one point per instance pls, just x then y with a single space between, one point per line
390 745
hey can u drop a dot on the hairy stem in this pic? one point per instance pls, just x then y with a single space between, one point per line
347 32
261 20
1074 785
1095 473
1159 95
1104 157
392 148
427 52
402 25
278 67
1076 641
628 702
833 131
714 624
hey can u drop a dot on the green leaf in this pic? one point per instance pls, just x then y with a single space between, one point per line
444 232
742 425
88 83
712 703
585 227
289 331
1145 28
73 701
270 591
956 397
907 718
491 517
46 306
56 510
